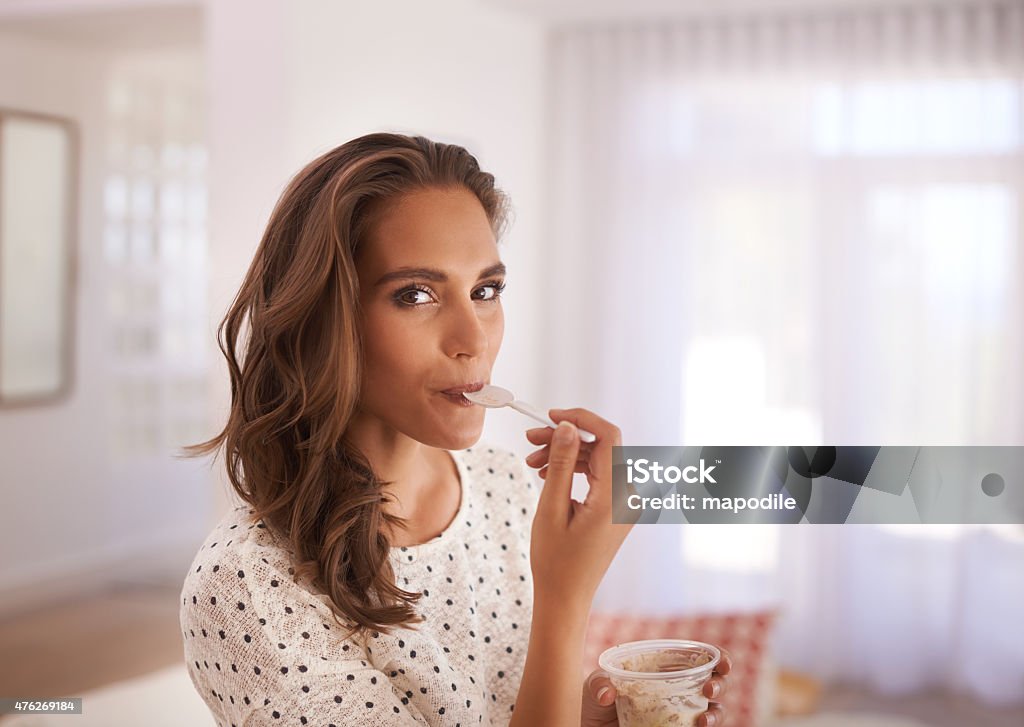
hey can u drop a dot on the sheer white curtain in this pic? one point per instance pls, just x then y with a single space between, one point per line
804 228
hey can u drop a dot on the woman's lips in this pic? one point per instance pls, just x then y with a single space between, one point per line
454 394
457 399
475 386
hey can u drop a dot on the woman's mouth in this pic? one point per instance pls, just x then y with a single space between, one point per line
454 394
457 399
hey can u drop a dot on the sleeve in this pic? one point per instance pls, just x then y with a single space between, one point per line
352 695
253 667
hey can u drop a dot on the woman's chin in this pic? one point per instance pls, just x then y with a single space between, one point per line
461 439
456 427
455 435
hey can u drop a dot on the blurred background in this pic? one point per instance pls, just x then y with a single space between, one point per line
746 222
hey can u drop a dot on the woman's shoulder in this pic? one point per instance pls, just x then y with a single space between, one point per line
238 557
237 535
243 576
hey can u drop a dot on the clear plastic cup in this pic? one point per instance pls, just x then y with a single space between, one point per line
659 682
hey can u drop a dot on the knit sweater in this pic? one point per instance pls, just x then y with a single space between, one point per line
262 649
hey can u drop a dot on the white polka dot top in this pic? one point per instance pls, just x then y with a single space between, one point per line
263 650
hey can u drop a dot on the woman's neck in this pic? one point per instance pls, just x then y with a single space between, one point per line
422 481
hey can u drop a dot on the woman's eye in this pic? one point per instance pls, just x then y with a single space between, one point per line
491 291
413 296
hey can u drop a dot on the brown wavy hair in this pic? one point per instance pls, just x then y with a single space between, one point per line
296 387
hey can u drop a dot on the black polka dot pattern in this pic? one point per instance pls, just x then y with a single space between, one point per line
242 605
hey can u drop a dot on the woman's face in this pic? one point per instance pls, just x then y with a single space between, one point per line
430 281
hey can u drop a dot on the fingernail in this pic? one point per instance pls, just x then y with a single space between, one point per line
715 688
564 432
601 692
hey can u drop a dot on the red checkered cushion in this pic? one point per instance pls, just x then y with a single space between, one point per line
745 636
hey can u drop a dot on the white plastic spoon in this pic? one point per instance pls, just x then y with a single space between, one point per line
494 397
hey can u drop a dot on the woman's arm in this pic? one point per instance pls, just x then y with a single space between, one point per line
550 691
370 700
572 544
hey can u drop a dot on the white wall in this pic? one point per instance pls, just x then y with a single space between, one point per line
72 517
246 132
44 494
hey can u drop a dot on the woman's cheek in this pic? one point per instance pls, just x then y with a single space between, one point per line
396 335
499 333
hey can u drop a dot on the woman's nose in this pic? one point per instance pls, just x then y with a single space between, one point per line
465 333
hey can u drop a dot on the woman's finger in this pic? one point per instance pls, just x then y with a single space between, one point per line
607 433
714 687
542 435
724 664
540 458
539 435
557 492
714 717
599 686
608 436
581 468
534 458
585 447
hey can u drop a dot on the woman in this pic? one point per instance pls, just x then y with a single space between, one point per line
384 569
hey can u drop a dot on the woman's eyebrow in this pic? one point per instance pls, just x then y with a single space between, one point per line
433 274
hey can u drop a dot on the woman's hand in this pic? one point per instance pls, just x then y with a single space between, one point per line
598 708
573 542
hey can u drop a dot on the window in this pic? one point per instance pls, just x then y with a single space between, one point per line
155 250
